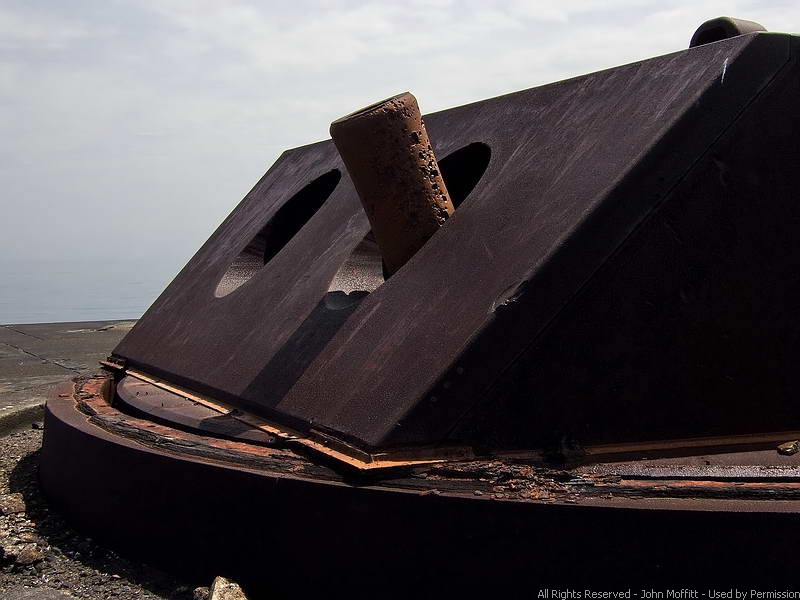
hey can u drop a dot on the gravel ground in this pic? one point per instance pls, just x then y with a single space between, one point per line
39 551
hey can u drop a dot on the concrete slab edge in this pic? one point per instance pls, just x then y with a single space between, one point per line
21 417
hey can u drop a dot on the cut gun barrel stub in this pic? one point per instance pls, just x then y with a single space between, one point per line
390 159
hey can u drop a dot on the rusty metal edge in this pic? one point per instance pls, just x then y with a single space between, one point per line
70 404
340 451
183 512
315 441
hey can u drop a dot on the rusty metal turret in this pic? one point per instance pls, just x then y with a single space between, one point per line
564 314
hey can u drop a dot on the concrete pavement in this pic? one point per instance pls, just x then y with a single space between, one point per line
35 357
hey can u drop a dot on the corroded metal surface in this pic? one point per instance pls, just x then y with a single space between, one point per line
391 162
272 517
584 291
532 478
163 406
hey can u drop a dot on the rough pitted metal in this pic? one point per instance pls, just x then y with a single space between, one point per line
395 172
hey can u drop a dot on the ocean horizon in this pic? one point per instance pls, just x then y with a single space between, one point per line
56 290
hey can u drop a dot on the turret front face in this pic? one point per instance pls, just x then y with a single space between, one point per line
618 269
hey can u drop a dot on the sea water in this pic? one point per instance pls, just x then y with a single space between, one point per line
54 290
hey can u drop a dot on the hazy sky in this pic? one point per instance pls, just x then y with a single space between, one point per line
133 127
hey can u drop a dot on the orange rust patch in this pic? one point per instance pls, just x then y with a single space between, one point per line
506 478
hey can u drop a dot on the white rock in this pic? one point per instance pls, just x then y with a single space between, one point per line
225 589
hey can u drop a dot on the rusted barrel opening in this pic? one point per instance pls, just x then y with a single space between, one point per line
390 159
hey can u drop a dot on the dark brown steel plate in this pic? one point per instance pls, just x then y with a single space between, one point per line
575 169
